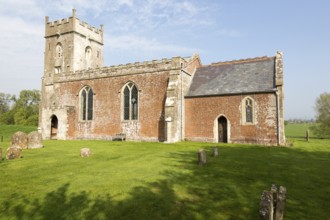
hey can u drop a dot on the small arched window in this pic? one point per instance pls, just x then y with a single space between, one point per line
248 111
59 50
88 53
86 103
88 56
130 102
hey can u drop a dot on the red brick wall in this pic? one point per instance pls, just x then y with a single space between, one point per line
201 113
107 106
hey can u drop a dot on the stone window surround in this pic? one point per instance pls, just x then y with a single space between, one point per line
130 86
88 117
243 111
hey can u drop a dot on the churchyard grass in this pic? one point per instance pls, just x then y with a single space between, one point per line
139 180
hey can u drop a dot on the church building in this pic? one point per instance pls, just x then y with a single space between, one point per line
167 100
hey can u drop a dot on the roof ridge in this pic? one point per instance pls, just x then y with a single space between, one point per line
247 60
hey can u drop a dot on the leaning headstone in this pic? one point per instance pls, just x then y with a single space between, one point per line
201 157
85 152
215 151
14 152
266 206
34 140
19 139
279 213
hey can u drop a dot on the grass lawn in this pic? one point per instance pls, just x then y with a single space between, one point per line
298 130
138 180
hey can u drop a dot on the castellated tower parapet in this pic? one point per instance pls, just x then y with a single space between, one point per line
72 45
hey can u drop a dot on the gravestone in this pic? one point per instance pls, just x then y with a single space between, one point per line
19 139
85 152
201 157
215 151
14 152
34 140
272 203
279 213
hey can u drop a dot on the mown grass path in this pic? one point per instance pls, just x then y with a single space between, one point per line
138 180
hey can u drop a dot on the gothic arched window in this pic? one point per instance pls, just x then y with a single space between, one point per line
130 102
86 103
248 111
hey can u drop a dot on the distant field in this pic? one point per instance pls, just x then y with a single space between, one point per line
298 130
140 180
8 130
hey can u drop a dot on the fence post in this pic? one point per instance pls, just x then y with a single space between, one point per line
307 135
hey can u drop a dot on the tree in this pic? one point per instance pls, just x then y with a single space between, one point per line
25 109
5 100
322 107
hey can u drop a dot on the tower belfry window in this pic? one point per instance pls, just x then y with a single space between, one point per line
88 56
59 51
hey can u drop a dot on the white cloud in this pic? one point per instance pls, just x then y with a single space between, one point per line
131 42
151 28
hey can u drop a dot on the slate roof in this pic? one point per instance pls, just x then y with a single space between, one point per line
234 77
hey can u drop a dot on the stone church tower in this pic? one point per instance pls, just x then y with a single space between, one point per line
70 46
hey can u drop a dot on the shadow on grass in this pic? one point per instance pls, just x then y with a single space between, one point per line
227 187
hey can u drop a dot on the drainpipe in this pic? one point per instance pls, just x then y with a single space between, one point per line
278 117
182 102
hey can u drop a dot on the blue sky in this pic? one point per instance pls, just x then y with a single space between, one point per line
139 30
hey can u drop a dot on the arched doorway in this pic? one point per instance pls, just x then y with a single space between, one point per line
54 127
222 130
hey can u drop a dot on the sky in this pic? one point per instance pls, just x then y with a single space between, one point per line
218 30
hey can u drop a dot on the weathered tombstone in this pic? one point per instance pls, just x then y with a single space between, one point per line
34 140
266 206
201 157
215 151
274 192
85 152
19 139
14 152
279 213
